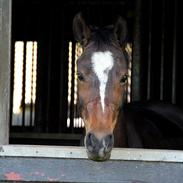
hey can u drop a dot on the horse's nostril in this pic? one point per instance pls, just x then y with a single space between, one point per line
91 139
110 137
109 141
89 135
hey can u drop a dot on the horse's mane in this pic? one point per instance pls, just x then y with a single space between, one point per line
155 124
102 37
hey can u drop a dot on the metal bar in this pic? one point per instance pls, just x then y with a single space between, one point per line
174 55
136 58
32 72
23 86
162 50
5 69
72 90
149 52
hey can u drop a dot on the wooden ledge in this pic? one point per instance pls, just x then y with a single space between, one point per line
80 153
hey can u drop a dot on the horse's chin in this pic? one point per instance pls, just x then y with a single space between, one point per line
95 157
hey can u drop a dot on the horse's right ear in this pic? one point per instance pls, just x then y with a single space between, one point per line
81 30
120 30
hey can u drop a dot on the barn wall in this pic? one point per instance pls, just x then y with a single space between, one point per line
159 52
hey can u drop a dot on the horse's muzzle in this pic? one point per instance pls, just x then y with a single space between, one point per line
99 149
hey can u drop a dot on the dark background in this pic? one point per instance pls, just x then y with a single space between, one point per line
154 29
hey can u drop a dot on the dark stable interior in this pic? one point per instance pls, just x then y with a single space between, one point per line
153 31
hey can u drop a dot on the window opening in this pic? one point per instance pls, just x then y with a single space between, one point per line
25 73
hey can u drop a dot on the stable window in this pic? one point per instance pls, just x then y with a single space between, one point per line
29 76
44 82
25 80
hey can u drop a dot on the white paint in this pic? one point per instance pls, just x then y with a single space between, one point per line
80 153
102 63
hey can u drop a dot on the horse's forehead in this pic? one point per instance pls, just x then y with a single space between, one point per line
97 61
102 61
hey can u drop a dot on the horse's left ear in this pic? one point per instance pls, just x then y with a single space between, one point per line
120 30
81 30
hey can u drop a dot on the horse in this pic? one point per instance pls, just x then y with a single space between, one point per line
153 125
102 77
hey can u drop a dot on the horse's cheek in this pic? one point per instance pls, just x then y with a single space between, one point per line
117 95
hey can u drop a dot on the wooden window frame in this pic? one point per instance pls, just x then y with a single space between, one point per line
126 164
5 48
51 151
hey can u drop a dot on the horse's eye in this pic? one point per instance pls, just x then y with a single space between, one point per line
124 79
80 77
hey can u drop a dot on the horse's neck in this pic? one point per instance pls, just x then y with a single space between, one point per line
120 133
125 134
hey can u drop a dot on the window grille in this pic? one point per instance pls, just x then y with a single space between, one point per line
72 80
24 87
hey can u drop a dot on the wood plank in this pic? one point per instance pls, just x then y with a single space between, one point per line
33 135
80 153
86 171
70 164
5 37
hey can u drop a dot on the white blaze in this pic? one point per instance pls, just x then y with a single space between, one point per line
102 63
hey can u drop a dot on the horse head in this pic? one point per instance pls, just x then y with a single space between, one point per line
102 75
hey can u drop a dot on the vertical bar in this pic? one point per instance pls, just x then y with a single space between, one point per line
17 82
128 86
128 97
174 55
23 87
12 82
77 119
5 69
72 90
32 75
149 52
34 79
136 53
69 84
162 50
75 84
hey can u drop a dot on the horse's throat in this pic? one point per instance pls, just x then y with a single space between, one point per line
120 133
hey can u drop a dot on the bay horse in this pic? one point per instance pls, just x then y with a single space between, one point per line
102 77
